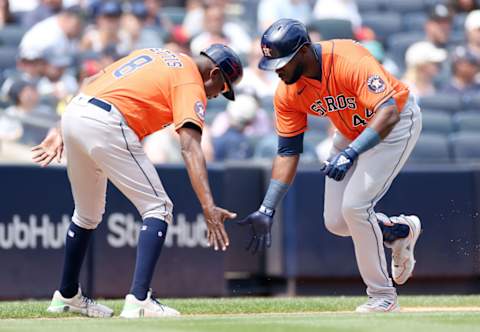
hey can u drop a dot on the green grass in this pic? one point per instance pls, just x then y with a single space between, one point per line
257 315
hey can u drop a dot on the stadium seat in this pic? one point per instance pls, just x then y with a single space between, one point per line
218 103
471 103
211 114
446 102
406 6
437 122
398 43
11 35
431 148
465 146
369 5
8 55
414 22
333 28
468 121
383 23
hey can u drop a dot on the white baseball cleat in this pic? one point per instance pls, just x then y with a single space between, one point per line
78 304
403 260
375 304
150 307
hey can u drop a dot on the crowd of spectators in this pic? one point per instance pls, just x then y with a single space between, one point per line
47 48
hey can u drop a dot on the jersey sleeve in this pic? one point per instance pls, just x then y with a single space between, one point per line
288 121
370 83
188 105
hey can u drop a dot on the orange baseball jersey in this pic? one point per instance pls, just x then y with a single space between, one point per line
153 88
353 85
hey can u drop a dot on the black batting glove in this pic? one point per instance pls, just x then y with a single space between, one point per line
260 223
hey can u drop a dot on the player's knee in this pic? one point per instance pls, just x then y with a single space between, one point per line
163 210
353 210
87 221
335 225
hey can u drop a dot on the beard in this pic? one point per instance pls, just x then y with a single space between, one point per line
295 75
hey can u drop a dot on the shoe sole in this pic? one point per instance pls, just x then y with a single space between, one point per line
142 313
394 308
83 312
414 223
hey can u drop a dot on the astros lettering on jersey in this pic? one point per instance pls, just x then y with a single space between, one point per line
163 87
352 87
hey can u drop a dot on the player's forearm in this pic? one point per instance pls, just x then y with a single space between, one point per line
197 171
384 120
284 168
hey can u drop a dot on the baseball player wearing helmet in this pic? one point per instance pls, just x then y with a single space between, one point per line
102 130
377 124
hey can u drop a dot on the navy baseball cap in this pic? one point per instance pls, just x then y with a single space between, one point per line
229 63
110 8
281 42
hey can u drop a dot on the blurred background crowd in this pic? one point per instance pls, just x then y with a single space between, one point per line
47 47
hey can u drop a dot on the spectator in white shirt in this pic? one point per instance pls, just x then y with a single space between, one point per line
339 9
269 11
472 30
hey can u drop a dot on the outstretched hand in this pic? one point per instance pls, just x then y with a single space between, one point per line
260 223
215 218
51 148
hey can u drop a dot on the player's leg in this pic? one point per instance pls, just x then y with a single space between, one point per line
88 185
332 211
371 179
129 169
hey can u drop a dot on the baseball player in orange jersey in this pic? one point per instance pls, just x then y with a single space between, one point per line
102 131
377 125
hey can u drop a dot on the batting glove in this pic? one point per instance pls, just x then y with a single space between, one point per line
337 166
260 223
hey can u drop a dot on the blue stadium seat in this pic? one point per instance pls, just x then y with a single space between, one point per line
383 23
406 6
431 148
11 35
471 103
467 121
219 103
369 5
465 146
398 43
415 21
333 28
437 122
8 55
446 102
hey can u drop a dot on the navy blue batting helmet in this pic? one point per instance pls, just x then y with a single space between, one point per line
229 63
281 41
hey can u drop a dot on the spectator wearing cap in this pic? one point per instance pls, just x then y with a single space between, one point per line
25 121
55 36
30 67
106 31
58 83
438 27
472 31
217 30
465 68
45 9
423 61
133 22
234 143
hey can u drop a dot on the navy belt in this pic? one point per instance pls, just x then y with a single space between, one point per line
100 103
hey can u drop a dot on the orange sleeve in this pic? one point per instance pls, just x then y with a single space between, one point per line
289 121
371 83
188 105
